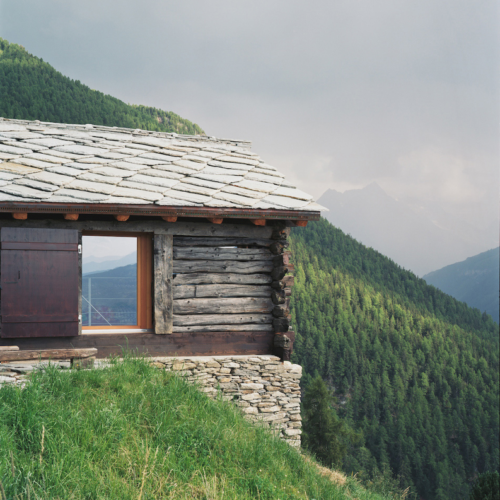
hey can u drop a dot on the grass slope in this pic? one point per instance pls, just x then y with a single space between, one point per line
131 431
31 89
473 281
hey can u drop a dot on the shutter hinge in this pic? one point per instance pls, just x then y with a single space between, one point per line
79 249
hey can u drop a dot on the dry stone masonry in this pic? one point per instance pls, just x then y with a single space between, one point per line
266 389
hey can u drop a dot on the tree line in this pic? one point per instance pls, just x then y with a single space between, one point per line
411 372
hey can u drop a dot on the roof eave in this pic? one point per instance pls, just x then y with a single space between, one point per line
155 210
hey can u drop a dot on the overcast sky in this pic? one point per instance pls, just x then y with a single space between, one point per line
336 94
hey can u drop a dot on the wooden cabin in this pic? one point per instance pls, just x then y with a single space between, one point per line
206 222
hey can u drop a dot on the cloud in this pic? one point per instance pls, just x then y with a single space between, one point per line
335 94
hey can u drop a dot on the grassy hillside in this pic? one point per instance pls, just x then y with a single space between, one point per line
474 281
132 431
31 89
413 369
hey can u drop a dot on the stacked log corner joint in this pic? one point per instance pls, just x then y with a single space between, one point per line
282 283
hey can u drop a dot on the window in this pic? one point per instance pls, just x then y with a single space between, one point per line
116 282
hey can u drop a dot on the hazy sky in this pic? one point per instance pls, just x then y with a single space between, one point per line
336 94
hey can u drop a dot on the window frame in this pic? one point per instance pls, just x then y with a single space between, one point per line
144 285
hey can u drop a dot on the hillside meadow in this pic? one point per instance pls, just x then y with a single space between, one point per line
131 431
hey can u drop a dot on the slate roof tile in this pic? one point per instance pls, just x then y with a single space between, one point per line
61 163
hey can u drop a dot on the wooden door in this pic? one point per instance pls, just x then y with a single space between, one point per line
39 282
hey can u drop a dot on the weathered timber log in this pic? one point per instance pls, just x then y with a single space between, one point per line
280 311
9 348
210 266
288 291
227 278
283 259
282 341
159 227
278 285
181 241
278 297
288 281
176 344
121 218
223 306
280 233
163 283
300 223
71 216
217 220
258 222
291 268
279 272
20 215
207 253
6 356
281 324
224 328
170 218
199 291
287 303
226 319
283 347
278 247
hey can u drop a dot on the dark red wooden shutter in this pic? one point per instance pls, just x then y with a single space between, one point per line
40 281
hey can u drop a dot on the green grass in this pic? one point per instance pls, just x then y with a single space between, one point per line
132 431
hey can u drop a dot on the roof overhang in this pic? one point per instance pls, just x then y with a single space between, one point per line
155 210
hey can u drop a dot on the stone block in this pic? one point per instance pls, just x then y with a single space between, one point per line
250 397
251 410
270 409
252 386
292 432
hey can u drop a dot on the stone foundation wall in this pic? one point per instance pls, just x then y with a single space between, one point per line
266 389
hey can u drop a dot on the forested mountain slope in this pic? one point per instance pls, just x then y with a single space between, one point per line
31 89
474 281
414 369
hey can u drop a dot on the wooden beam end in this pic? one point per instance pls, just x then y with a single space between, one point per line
258 222
20 215
169 218
215 221
71 216
300 223
122 218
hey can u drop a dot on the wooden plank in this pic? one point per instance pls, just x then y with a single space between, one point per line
6 356
176 344
224 328
191 291
163 297
228 278
203 229
209 266
9 348
223 306
239 254
181 241
80 282
226 319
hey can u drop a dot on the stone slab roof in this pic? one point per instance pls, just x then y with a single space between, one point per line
60 163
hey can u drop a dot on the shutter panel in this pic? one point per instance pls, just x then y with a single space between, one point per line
40 282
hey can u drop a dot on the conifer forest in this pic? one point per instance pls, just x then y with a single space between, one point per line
413 371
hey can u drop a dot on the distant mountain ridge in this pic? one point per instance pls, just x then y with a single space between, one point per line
474 281
413 240
94 266
31 89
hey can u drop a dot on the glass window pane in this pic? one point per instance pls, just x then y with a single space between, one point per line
109 281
